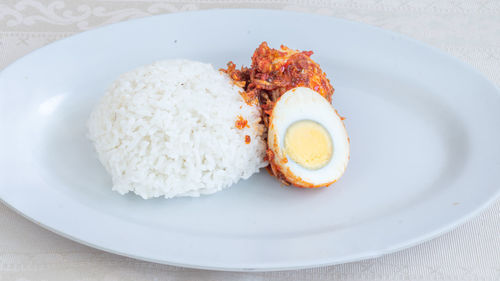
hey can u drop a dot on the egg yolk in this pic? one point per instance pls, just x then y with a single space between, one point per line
308 144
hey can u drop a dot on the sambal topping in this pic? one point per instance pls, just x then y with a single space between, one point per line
240 78
273 73
247 139
241 123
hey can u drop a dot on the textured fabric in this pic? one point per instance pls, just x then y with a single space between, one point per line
467 29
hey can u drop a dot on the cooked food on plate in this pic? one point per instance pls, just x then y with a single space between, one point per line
307 141
171 129
181 128
307 144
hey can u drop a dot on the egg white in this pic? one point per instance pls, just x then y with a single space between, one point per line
305 104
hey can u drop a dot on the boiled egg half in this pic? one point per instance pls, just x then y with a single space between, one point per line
308 139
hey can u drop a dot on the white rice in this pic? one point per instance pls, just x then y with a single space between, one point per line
168 129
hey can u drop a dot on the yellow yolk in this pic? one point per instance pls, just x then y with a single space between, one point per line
308 144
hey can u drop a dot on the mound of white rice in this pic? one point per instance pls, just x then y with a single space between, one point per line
168 129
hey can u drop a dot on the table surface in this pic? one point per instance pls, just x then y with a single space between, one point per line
466 29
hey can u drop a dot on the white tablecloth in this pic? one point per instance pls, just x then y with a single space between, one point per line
467 29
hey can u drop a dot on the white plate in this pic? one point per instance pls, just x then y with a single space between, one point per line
424 140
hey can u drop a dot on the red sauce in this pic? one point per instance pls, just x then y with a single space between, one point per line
241 123
272 73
